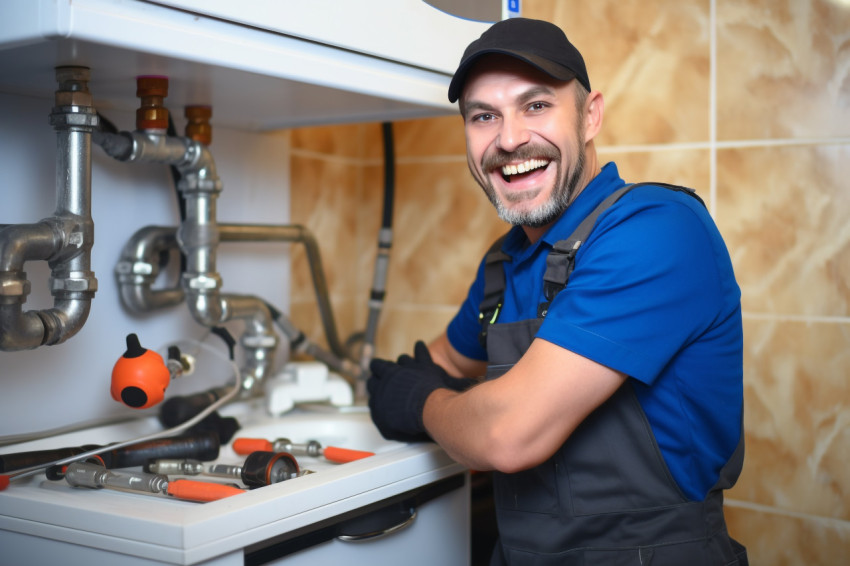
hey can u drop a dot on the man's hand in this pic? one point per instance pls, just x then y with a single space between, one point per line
398 391
422 362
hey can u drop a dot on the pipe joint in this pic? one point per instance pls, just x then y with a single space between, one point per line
72 284
206 308
14 287
74 118
75 235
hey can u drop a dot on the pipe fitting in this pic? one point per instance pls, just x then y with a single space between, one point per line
14 287
139 267
64 240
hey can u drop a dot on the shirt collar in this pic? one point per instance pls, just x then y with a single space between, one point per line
606 182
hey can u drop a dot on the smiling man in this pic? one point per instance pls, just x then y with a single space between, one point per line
596 365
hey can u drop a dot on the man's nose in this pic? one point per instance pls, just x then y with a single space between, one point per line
513 134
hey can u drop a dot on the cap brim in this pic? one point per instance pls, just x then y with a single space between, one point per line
554 70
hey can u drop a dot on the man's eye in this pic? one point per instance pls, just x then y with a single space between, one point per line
537 106
486 117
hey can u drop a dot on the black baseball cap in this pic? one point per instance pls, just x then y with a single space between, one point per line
538 43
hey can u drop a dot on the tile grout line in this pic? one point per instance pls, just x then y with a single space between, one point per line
712 106
750 506
794 317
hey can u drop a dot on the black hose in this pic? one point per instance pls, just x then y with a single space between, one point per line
385 238
389 175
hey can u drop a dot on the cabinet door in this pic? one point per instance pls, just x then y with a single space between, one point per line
438 532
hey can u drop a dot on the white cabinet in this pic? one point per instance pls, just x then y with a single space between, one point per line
261 64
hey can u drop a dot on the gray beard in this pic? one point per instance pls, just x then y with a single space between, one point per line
549 211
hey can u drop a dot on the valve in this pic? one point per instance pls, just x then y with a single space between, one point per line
140 376
152 90
198 123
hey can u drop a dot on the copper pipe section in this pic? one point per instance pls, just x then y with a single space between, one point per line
152 90
198 126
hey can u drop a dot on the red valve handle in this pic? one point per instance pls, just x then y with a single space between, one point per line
140 376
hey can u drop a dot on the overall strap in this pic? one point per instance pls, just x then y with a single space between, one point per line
494 287
561 260
559 263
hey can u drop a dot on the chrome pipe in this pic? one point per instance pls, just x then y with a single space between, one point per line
64 240
198 239
139 267
300 234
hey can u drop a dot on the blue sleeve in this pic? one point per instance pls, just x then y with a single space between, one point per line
464 328
647 281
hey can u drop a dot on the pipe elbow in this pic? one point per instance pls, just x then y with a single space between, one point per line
24 242
207 308
65 319
139 267
20 330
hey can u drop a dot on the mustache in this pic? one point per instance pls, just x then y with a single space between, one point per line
499 158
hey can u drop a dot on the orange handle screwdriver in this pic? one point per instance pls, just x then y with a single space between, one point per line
310 448
201 491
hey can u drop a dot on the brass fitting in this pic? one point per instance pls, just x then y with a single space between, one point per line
198 127
152 90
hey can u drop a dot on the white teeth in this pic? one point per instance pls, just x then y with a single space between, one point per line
524 167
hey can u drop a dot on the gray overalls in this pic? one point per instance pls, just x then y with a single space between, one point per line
606 497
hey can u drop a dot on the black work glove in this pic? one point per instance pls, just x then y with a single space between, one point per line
398 391
422 362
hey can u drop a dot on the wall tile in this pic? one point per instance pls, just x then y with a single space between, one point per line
445 225
401 326
689 168
323 193
777 539
784 212
347 140
436 136
797 417
783 69
649 59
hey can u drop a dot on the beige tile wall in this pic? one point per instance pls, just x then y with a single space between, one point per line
748 101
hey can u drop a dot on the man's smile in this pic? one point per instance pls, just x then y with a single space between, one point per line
509 172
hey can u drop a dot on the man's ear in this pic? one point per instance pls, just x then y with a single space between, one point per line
594 111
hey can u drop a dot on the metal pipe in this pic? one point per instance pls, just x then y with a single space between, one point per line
198 238
300 234
63 240
138 268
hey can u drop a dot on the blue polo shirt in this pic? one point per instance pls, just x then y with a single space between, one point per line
653 295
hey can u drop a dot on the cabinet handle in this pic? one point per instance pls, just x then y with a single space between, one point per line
381 532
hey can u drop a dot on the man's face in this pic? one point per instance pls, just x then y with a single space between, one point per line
525 139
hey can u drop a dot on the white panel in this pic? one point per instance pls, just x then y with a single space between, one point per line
256 78
409 31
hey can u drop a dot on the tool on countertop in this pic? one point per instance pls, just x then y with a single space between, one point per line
200 446
310 448
179 409
260 468
6 479
93 475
